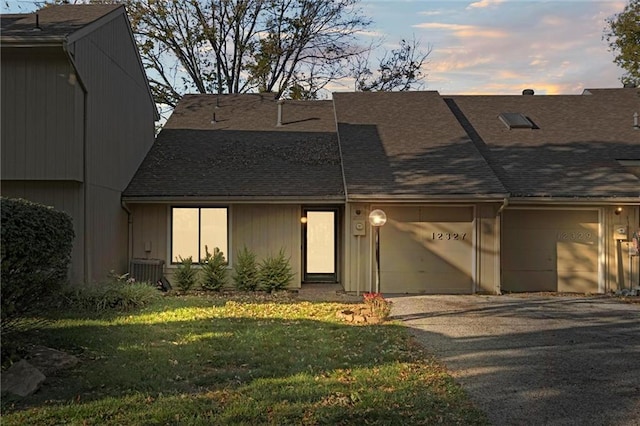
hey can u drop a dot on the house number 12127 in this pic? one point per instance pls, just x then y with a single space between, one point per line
445 236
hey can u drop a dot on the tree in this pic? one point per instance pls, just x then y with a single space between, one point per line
292 48
237 46
399 69
623 35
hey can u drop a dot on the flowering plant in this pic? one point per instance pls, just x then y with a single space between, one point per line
379 306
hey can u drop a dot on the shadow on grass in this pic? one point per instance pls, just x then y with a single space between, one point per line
197 362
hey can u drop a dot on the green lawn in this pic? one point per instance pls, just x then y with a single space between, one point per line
238 360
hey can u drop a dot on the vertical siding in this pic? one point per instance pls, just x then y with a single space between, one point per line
266 229
106 234
150 227
38 116
119 132
120 120
357 274
64 196
621 270
487 246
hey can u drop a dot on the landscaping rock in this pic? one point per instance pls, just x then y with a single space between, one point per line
22 379
48 360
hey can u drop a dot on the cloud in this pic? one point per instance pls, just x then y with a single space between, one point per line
464 31
484 3
430 12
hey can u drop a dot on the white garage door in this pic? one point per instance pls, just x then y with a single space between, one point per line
550 250
427 250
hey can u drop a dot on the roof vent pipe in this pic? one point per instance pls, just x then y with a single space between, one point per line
280 103
38 23
528 92
635 121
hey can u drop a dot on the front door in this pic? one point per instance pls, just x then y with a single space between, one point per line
319 235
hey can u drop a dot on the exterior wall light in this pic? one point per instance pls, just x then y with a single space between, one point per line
377 218
303 219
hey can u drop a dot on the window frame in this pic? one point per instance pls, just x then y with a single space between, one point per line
196 262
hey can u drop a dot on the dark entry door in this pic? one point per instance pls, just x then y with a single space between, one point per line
319 248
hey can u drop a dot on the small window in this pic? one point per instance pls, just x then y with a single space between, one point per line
515 120
193 228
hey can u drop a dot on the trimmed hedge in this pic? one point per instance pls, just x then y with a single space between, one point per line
36 253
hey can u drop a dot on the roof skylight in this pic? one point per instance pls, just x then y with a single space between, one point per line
515 120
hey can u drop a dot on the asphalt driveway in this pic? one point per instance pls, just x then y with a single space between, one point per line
536 360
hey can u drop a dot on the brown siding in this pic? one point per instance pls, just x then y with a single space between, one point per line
150 229
64 196
266 229
357 260
120 113
106 233
621 270
119 132
40 114
488 248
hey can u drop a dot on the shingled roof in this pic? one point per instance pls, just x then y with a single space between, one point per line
53 23
243 154
573 149
396 146
408 145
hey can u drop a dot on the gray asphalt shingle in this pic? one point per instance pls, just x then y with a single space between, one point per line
404 146
408 145
55 22
243 154
573 150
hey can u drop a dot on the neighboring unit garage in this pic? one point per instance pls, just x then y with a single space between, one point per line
550 250
427 250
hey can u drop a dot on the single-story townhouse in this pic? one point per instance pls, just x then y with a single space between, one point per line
482 194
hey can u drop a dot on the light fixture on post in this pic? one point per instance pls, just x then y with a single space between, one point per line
377 218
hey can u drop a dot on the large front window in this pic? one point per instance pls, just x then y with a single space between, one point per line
193 228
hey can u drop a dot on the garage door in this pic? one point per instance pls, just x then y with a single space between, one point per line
427 250
550 250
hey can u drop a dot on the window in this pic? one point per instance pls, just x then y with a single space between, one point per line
193 228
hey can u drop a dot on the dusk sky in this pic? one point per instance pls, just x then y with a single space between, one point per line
493 46
502 47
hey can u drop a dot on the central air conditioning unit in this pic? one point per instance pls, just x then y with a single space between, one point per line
146 270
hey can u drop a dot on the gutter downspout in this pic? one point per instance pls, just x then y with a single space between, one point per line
498 248
125 207
504 205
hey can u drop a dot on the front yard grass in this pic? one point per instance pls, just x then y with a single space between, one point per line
194 360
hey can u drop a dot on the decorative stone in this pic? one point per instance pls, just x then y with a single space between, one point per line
22 379
50 360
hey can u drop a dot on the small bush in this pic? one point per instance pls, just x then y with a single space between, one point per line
214 270
245 269
379 306
275 272
36 253
186 276
118 293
